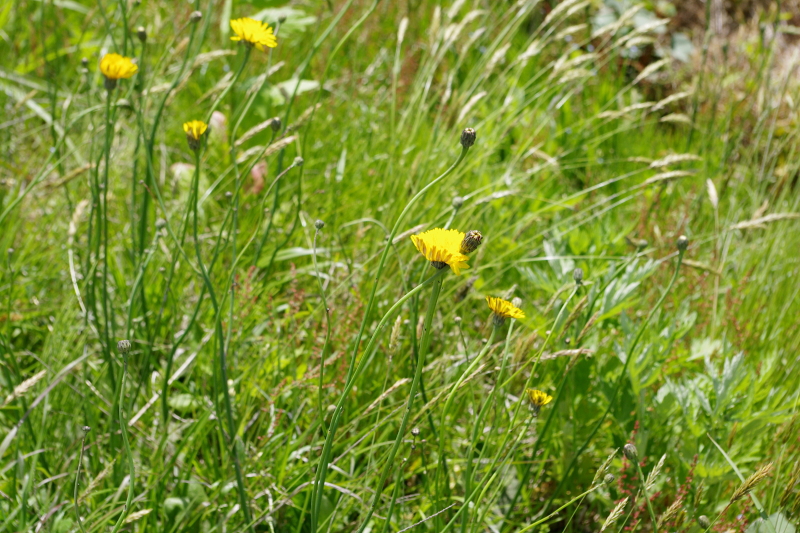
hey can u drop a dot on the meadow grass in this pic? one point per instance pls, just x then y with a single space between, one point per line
235 332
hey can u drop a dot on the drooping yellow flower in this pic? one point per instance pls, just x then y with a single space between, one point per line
254 33
442 247
503 308
195 129
116 67
538 398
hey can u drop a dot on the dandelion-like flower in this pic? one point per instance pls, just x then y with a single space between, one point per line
115 67
442 247
195 129
503 309
253 33
538 399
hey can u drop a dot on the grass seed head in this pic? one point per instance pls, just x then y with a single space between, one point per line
751 483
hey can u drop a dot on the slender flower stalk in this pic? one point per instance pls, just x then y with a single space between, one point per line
318 225
424 346
123 347
352 370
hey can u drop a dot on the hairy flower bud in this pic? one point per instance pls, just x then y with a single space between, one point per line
195 16
298 161
319 224
275 124
124 346
468 137
141 33
458 202
631 452
683 243
703 521
472 240
577 275
609 479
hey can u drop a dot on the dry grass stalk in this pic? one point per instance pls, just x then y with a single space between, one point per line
24 387
671 512
654 473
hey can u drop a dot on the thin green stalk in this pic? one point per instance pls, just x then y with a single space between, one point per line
618 384
323 467
326 450
397 479
647 497
323 355
424 346
123 425
223 378
103 234
77 483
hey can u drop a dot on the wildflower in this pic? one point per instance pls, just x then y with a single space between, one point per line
115 67
538 399
195 130
471 241
442 247
254 33
503 309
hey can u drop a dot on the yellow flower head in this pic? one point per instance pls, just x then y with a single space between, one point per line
116 67
254 33
503 308
194 132
442 247
538 398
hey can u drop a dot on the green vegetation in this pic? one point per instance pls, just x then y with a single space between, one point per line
236 333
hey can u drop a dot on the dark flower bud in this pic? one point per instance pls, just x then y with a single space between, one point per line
275 124
319 224
415 432
298 161
468 137
577 275
631 452
703 521
471 241
683 243
124 346
195 16
609 479
85 62
86 429
141 33
458 202
161 223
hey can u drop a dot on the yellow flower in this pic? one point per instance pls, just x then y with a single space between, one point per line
442 247
194 132
503 308
116 67
253 32
538 398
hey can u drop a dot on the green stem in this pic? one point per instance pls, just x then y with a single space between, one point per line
647 497
77 483
123 426
327 333
323 467
220 340
424 346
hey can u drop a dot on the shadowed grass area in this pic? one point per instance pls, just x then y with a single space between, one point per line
296 363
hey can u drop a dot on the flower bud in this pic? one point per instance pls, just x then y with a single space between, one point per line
468 137
577 275
195 16
458 202
275 124
683 243
85 62
516 301
703 521
124 346
298 161
415 432
161 223
471 241
86 429
141 33
631 452
319 224
609 479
